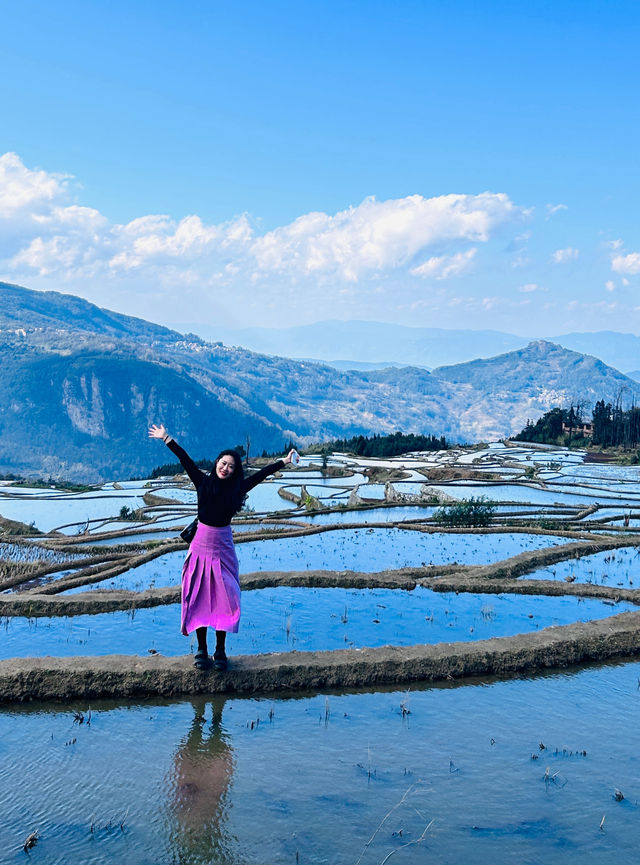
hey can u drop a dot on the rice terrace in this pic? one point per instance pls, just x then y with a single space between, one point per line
417 633
383 259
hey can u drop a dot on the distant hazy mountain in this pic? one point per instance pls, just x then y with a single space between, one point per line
363 365
634 374
80 386
367 342
621 350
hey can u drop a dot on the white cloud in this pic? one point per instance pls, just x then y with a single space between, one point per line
531 287
626 264
54 255
610 285
154 240
443 266
23 191
562 255
375 251
58 237
555 208
379 235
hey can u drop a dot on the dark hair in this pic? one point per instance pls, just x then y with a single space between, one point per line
235 484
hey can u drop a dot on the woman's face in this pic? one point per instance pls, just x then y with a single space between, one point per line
225 467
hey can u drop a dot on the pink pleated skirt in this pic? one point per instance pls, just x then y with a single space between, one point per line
210 582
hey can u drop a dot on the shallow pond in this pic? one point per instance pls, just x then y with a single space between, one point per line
372 491
284 618
619 567
265 498
381 549
402 513
570 495
609 474
337 779
67 508
184 495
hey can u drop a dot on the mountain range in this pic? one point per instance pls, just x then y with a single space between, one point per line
81 384
373 344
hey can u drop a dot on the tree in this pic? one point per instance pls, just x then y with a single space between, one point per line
602 421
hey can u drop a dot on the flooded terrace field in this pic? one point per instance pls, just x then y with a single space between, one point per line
334 778
348 776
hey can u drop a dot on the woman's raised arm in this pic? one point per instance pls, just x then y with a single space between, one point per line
196 475
159 432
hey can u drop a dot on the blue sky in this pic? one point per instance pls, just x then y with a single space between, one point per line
450 164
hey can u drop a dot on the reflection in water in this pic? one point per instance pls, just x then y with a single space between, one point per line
199 784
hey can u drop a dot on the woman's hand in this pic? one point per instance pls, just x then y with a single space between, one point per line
290 457
157 432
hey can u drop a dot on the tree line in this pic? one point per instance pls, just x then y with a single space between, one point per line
611 426
387 445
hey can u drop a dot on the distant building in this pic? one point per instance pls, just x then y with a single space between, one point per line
584 429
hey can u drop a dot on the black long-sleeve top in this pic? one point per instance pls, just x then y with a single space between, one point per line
215 507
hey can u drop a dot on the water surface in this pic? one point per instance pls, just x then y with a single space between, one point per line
284 618
245 782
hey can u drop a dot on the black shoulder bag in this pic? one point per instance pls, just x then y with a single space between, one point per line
188 533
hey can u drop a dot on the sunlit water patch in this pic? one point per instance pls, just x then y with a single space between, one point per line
619 568
163 571
265 498
612 474
285 618
184 495
372 491
314 779
530 494
67 508
380 549
300 477
411 488
395 514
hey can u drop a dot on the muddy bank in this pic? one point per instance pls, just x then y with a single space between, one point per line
27 679
552 588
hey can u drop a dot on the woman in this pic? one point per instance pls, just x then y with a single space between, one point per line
210 578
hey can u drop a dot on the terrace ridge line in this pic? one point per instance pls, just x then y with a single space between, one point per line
29 679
